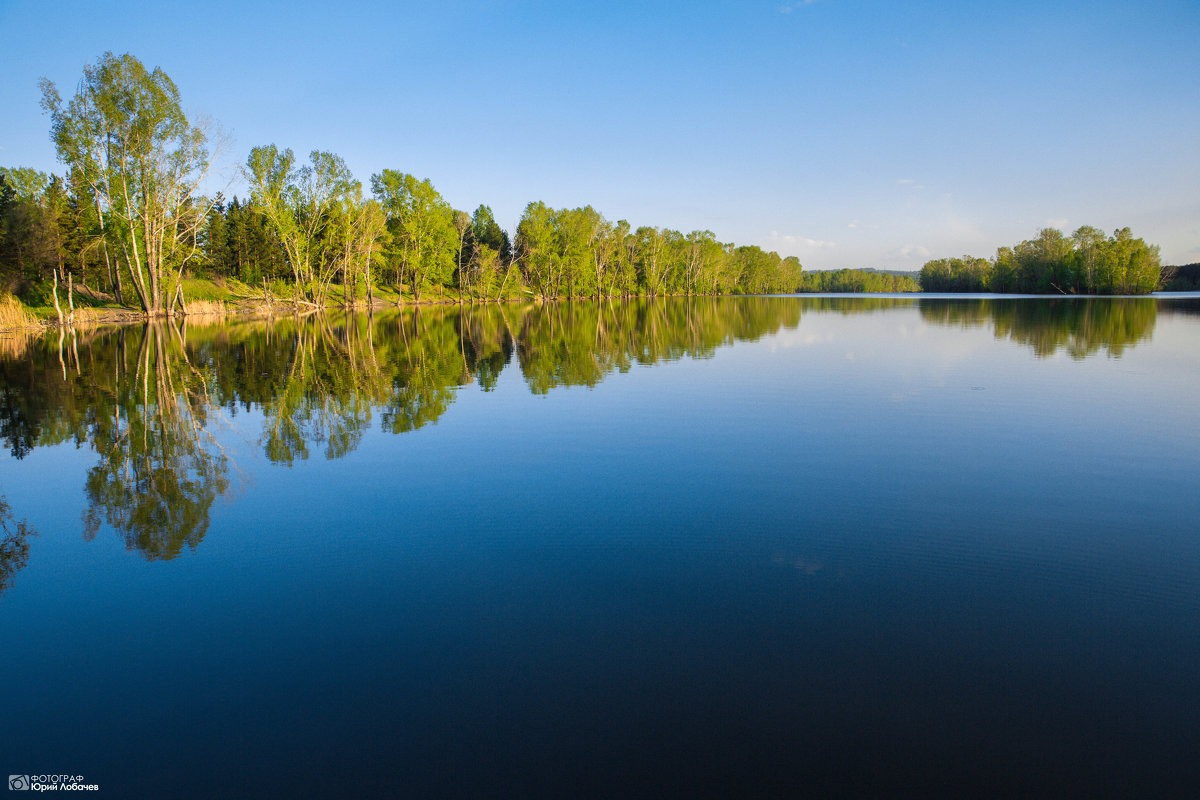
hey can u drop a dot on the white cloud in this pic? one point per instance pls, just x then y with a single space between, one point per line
904 257
802 241
1057 222
904 181
858 224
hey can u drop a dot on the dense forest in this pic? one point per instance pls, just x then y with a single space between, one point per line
1086 262
128 223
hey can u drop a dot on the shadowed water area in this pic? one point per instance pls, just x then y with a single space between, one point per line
737 546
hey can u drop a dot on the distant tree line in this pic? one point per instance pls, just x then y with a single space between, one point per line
1086 262
856 280
1184 278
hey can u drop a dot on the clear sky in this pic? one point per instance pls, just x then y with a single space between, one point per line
872 133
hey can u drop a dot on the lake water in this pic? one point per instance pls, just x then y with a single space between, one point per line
738 547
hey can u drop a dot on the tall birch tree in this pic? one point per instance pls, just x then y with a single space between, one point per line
126 139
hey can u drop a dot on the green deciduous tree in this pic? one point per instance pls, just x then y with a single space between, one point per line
421 224
302 203
127 142
966 274
537 248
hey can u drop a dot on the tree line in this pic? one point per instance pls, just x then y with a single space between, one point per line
128 222
1086 262
856 280
1185 278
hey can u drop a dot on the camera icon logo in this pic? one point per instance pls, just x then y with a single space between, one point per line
18 783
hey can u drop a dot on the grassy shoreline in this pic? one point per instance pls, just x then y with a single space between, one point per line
216 298
203 298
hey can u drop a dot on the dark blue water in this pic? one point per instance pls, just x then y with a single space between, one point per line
740 547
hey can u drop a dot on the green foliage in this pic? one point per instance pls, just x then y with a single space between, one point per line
423 243
24 183
966 274
485 232
314 209
855 281
536 237
1085 263
240 241
136 159
578 253
35 224
761 272
128 218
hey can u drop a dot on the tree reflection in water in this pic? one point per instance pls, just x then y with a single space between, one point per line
160 468
14 544
1079 326
145 399
330 380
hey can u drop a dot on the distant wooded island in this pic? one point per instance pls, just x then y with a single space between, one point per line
1086 262
129 225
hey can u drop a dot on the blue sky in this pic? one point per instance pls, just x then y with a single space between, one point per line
872 133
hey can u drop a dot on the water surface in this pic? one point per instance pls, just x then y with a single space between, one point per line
743 546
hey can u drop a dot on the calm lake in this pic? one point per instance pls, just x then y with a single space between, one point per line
741 547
